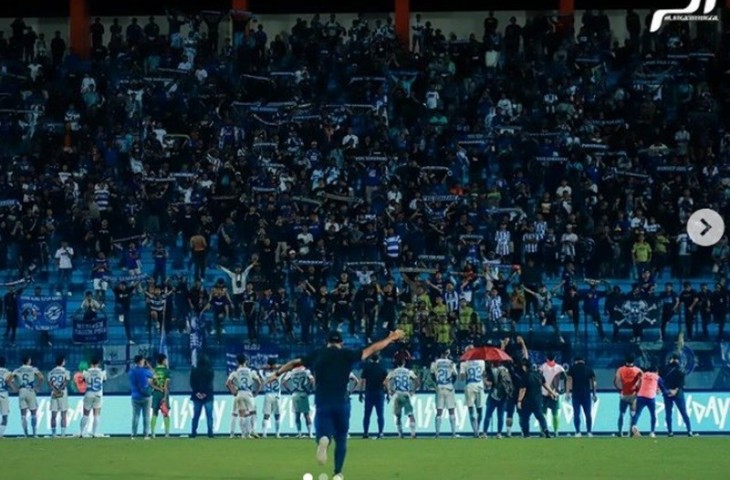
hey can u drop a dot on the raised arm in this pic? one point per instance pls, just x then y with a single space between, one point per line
394 336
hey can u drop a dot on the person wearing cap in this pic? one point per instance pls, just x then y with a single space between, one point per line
689 298
331 367
529 399
673 376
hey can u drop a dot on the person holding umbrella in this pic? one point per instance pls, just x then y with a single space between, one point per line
474 372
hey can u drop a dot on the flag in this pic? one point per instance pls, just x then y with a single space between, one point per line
116 360
163 346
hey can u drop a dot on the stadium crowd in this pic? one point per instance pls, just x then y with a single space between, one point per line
331 178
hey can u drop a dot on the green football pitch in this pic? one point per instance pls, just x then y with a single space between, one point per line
290 459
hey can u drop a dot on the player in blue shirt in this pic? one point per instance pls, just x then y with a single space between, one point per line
331 367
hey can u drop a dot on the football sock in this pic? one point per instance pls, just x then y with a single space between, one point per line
399 423
95 425
277 425
479 419
243 424
24 422
266 425
153 424
412 424
84 422
438 424
166 421
233 424
452 421
556 422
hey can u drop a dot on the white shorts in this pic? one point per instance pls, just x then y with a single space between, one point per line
474 393
244 402
4 406
92 401
59 404
271 405
27 399
100 284
445 399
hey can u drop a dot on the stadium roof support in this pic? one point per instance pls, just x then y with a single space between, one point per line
78 25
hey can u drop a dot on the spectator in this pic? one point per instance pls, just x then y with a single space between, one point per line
581 390
64 255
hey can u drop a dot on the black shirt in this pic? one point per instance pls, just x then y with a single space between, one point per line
583 377
331 368
374 375
673 376
532 382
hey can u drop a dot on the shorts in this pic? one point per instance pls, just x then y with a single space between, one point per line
59 404
4 406
244 402
402 404
552 404
92 401
100 284
509 407
271 405
626 401
445 398
27 399
158 401
474 395
300 403
333 421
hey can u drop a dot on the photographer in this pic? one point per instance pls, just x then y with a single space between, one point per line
140 384
90 307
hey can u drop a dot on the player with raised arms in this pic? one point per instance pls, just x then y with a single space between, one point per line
300 382
401 383
472 372
444 373
245 383
331 367
25 378
626 382
272 394
5 379
58 380
94 378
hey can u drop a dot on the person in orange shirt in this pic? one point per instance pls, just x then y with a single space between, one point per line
626 382
649 384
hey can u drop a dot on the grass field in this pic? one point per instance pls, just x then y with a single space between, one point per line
289 459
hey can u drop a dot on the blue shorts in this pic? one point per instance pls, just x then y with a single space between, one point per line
332 421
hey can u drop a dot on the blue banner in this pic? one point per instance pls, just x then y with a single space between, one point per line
43 312
708 413
90 327
257 354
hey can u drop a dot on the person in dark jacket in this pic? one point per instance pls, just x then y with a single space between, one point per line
372 378
673 376
201 384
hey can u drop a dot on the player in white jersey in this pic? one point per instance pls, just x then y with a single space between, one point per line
245 383
58 379
401 383
94 377
25 378
554 374
5 379
472 372
444 373
300 383
272 395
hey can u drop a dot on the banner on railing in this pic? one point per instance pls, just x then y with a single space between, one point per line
707 411
90 327
42 313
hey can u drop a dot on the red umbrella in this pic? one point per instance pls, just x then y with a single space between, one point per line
489 354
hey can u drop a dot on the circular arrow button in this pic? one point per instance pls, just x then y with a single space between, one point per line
705 227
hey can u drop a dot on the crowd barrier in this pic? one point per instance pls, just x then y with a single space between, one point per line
708 412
